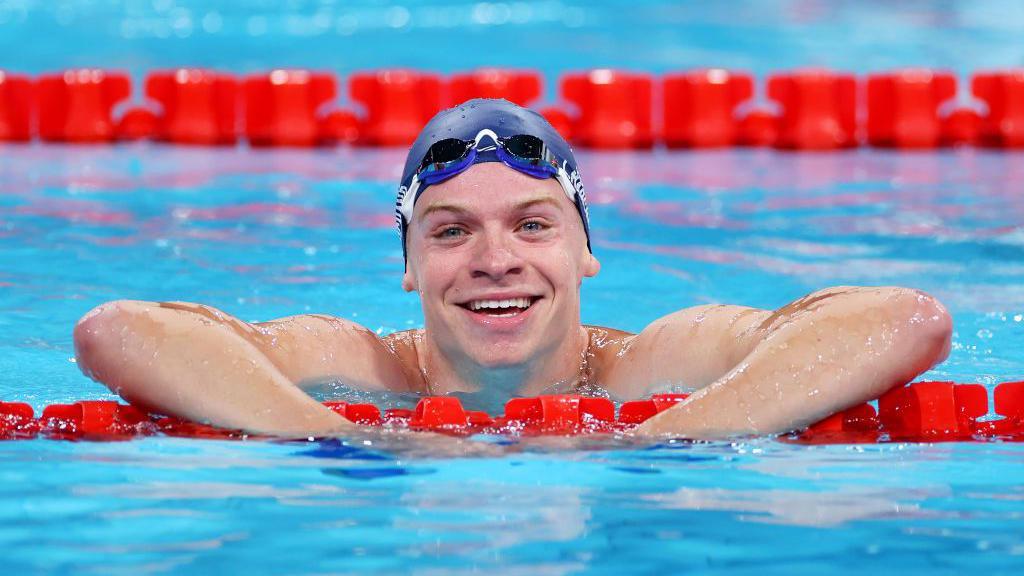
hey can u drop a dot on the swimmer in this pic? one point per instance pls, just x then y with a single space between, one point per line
495 231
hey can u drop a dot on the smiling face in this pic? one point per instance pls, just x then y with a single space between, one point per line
498 258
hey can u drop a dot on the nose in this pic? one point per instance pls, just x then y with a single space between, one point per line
495 257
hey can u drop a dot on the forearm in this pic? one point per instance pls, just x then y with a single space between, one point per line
187 365
847 348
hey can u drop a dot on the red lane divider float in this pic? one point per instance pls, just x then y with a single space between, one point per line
95 418
197 106
613 109
609 109
1003 92
819 109
933 410
77 105
17 421
16 108
398 104
1008 403
903 108
924 411
700 107
282 108
520 86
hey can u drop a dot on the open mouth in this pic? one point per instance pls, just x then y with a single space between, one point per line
500 308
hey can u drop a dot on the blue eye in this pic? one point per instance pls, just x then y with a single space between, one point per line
532 226
451 232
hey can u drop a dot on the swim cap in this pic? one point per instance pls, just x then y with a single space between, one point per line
482 121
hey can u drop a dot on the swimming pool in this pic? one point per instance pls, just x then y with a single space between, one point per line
270 233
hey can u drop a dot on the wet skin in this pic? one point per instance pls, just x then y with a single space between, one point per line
498 258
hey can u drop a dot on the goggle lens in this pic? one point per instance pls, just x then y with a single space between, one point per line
444 152
524 147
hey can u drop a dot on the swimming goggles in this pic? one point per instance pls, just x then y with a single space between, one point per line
523 152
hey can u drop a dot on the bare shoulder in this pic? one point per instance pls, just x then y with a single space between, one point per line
689 348
404 346
604 351
317 347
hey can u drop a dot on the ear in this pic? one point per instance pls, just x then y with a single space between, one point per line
591 265
408 280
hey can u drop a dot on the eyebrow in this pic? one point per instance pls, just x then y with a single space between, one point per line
528 203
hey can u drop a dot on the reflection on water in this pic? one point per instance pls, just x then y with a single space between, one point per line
801 508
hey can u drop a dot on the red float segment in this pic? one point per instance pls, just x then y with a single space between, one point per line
903 107
439 412
855 425
962 127
397 416
559 120
359 413
201 106
519 86
282 107
17 420
559 414
638 411
136 124
700 107
1008 400
16 108
819 110
932 410
1003 92
77 105
614 108
94 418
398 104
479 419
339 127
16 412
758 128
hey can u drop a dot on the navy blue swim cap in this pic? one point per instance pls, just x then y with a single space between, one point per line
487 123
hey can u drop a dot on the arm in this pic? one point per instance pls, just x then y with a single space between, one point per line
198 363
761 372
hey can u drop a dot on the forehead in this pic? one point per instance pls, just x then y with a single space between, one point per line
489 186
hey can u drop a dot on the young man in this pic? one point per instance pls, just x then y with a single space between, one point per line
494 225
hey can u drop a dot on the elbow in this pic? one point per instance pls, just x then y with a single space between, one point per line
927 324
98 336
88 336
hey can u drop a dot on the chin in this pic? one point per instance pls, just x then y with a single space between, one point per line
499 356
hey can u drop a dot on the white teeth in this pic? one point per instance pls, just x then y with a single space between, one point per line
509 303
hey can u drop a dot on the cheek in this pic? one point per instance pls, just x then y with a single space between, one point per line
560 267
436 272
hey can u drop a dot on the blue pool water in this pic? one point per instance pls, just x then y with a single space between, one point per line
270 233
263 234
